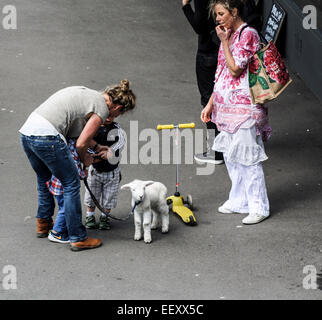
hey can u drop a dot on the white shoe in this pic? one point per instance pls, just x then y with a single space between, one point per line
222 209
253 218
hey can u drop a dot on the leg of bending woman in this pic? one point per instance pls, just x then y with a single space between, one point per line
50 155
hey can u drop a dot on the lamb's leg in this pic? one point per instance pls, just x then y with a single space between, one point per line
164 212
155 220
138 225
147 217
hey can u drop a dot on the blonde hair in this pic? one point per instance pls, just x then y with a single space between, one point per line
123 95
227 4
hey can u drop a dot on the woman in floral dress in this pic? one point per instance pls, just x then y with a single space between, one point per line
243 125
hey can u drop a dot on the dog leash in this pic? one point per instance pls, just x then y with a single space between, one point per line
97 204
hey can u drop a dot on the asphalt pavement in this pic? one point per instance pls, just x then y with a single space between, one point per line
96 43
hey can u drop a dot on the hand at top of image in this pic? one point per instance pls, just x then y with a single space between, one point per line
185 2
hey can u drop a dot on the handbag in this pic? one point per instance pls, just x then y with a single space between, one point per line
267 76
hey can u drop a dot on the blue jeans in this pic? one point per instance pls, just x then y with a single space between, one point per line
60 221
50 155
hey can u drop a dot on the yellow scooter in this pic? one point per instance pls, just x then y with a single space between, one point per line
177 201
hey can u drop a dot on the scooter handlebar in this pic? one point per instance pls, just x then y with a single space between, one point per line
165 126
180 125
186 125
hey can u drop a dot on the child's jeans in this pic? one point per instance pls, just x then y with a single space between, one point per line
60 222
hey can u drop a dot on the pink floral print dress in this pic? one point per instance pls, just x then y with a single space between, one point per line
233 108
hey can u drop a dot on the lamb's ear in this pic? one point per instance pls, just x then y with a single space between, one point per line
148 183
126 186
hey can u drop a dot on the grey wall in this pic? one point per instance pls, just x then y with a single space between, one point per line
302 48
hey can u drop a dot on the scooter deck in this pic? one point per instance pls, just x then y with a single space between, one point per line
182 211
185 214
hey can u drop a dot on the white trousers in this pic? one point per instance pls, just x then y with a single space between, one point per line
248 191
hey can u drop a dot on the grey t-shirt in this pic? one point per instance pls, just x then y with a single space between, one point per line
67 109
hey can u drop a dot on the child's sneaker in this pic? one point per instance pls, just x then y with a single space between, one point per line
58 237
104 223
90 222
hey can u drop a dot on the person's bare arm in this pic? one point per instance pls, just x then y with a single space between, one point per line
86 137
207 110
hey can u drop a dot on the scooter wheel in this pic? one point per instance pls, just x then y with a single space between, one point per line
169 203
192 222
189 201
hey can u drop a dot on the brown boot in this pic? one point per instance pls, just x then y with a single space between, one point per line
89 243
43 227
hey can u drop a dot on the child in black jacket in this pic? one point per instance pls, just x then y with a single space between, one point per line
104 175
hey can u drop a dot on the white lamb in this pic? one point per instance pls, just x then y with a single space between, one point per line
149 199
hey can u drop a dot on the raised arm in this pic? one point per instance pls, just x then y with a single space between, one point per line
223 34
198 18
